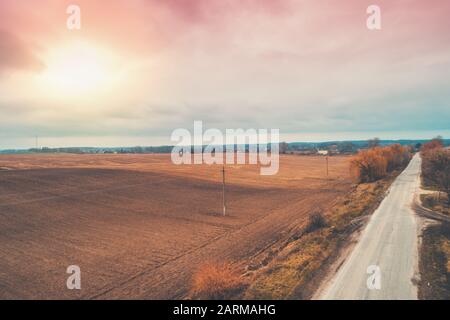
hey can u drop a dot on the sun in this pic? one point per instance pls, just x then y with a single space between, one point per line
78 68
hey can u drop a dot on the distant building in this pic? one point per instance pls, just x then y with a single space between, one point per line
333 149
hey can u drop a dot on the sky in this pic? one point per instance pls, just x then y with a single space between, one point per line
137 70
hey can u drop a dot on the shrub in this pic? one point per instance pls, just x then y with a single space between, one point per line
375 163
436 143
216 281
436 169
369 165
397 156
316 221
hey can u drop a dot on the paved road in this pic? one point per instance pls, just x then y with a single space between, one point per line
389 243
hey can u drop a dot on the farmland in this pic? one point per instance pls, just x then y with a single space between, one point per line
139 226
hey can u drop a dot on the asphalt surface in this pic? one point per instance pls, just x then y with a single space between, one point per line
384 262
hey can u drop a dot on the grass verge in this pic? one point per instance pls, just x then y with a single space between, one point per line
216 281
434 263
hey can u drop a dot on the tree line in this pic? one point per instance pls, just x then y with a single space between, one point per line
436 166
376 162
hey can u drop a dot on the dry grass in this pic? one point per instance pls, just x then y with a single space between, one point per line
445 248
316 221
293 268
436 203
216 281
435 263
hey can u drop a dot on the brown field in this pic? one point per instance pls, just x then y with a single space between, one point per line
139 226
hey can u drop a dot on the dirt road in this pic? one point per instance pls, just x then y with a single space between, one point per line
387 248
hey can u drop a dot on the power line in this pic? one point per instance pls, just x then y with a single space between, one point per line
223 191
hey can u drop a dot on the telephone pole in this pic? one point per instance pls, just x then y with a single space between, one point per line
327 164
223 191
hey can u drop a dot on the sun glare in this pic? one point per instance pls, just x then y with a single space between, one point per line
76 69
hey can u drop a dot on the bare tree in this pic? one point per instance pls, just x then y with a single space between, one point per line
436 165
435 143
283 147
372 143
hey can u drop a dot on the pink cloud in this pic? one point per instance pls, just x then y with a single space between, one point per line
152 25
14 54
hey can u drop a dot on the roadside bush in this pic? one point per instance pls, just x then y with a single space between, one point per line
436 202
216 281
397 156
434 144
436 169
316 221
375 163
369 165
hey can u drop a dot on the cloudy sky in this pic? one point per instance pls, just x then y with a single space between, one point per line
138 69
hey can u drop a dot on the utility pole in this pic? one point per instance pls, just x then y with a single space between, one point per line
223 191
327 164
